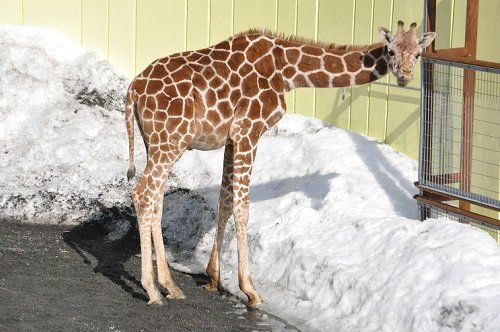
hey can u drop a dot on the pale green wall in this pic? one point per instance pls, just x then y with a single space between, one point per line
131 33
450 26
450 23
488 44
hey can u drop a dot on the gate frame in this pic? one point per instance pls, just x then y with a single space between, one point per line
466 55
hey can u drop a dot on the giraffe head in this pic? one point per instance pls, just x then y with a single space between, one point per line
403 50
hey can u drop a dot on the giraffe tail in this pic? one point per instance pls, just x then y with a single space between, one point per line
129 121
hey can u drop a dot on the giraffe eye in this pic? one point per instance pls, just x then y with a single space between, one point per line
391 53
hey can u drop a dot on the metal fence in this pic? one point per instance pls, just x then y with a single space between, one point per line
460 135
444 213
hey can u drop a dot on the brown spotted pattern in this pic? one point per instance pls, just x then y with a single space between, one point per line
226 95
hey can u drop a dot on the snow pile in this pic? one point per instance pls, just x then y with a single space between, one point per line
334 241
59 128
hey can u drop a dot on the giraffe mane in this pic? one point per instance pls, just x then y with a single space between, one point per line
309 41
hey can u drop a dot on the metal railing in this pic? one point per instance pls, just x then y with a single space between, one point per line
460 132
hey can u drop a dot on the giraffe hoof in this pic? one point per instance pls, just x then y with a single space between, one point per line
177 296
155 303
210 286
255 303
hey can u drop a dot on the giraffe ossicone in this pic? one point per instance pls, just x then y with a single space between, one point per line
228 95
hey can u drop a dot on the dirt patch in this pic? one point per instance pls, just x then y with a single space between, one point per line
55 278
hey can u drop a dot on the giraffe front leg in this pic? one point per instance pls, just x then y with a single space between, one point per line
224 211
243 164
213 267
244 279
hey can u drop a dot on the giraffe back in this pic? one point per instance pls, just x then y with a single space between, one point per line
203 93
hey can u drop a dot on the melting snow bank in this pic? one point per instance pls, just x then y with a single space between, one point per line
333 238
61 143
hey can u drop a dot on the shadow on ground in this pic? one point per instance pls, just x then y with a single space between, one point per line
119 262
90 239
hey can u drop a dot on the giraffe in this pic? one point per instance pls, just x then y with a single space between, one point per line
228 95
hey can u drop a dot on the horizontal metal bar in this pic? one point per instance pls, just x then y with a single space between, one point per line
473 65
452 196
458 211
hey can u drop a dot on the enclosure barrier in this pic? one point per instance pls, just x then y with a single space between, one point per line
459 161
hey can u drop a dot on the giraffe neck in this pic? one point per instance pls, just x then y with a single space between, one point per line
330 67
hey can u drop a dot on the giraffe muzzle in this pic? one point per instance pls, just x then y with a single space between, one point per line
402 82
404 78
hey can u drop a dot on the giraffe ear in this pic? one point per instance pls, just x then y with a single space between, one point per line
385 35
426 39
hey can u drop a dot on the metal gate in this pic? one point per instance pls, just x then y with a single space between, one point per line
459 163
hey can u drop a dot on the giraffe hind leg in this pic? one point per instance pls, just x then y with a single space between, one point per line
144 221
165 140
148 201
164 276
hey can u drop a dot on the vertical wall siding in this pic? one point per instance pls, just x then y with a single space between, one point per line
132 33
488 28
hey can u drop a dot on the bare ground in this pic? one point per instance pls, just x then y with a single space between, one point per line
55 278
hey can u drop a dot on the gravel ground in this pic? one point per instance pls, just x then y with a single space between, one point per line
55 278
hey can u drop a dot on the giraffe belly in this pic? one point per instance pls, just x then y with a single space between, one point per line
207 143
211 124
210 137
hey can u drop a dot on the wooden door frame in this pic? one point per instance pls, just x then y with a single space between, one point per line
471 23
468 52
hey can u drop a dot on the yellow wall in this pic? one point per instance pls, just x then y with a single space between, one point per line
132 33
488 31
450 23
450 26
